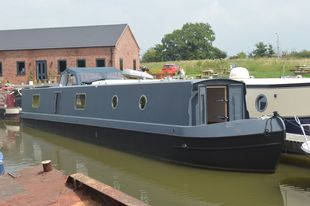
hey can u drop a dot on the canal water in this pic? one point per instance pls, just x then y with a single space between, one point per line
155 182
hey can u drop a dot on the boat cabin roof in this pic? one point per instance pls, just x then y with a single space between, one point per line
79 76
197 82
90 75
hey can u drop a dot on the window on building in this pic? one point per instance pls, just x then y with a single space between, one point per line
41 70
62 65
81 63
100 62
121 64
20 68
1 74
134 64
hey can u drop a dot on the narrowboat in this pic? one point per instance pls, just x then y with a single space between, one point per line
289 96
202 123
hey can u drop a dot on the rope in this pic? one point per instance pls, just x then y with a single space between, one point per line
296 125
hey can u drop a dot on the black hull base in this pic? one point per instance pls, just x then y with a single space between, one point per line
253 153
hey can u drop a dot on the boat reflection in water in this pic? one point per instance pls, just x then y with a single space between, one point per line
8 136
295 191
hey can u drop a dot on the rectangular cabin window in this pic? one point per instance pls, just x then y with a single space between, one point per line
20 68
80 101
35 101
81 63
1 73
100 62
56 101
71 80
62 65
121 64
134 64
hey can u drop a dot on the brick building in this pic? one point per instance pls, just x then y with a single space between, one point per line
41 54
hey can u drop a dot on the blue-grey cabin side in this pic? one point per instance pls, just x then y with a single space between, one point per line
183 103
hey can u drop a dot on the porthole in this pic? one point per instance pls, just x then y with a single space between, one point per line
261 103
114 101
142 102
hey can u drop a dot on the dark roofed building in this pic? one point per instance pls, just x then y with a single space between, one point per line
41 54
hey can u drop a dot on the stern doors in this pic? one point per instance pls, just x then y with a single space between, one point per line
213 104
217 104
236 102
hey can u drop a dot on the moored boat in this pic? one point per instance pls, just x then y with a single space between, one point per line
10 102
288 96
136 74
202 123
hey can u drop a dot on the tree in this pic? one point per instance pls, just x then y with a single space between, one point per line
217 53
263 50
193 41
154 54
301 54
270 51
150 55
240 55
260 50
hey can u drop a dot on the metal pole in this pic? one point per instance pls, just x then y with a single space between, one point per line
278 45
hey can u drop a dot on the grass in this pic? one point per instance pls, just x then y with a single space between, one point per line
259 68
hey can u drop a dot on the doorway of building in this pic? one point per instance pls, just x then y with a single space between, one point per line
41 70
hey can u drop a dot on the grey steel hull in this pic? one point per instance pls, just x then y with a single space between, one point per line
256 152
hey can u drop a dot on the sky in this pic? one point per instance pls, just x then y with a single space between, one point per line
238 24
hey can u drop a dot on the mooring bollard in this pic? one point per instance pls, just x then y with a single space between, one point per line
47 165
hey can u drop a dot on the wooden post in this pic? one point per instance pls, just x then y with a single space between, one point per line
47 165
